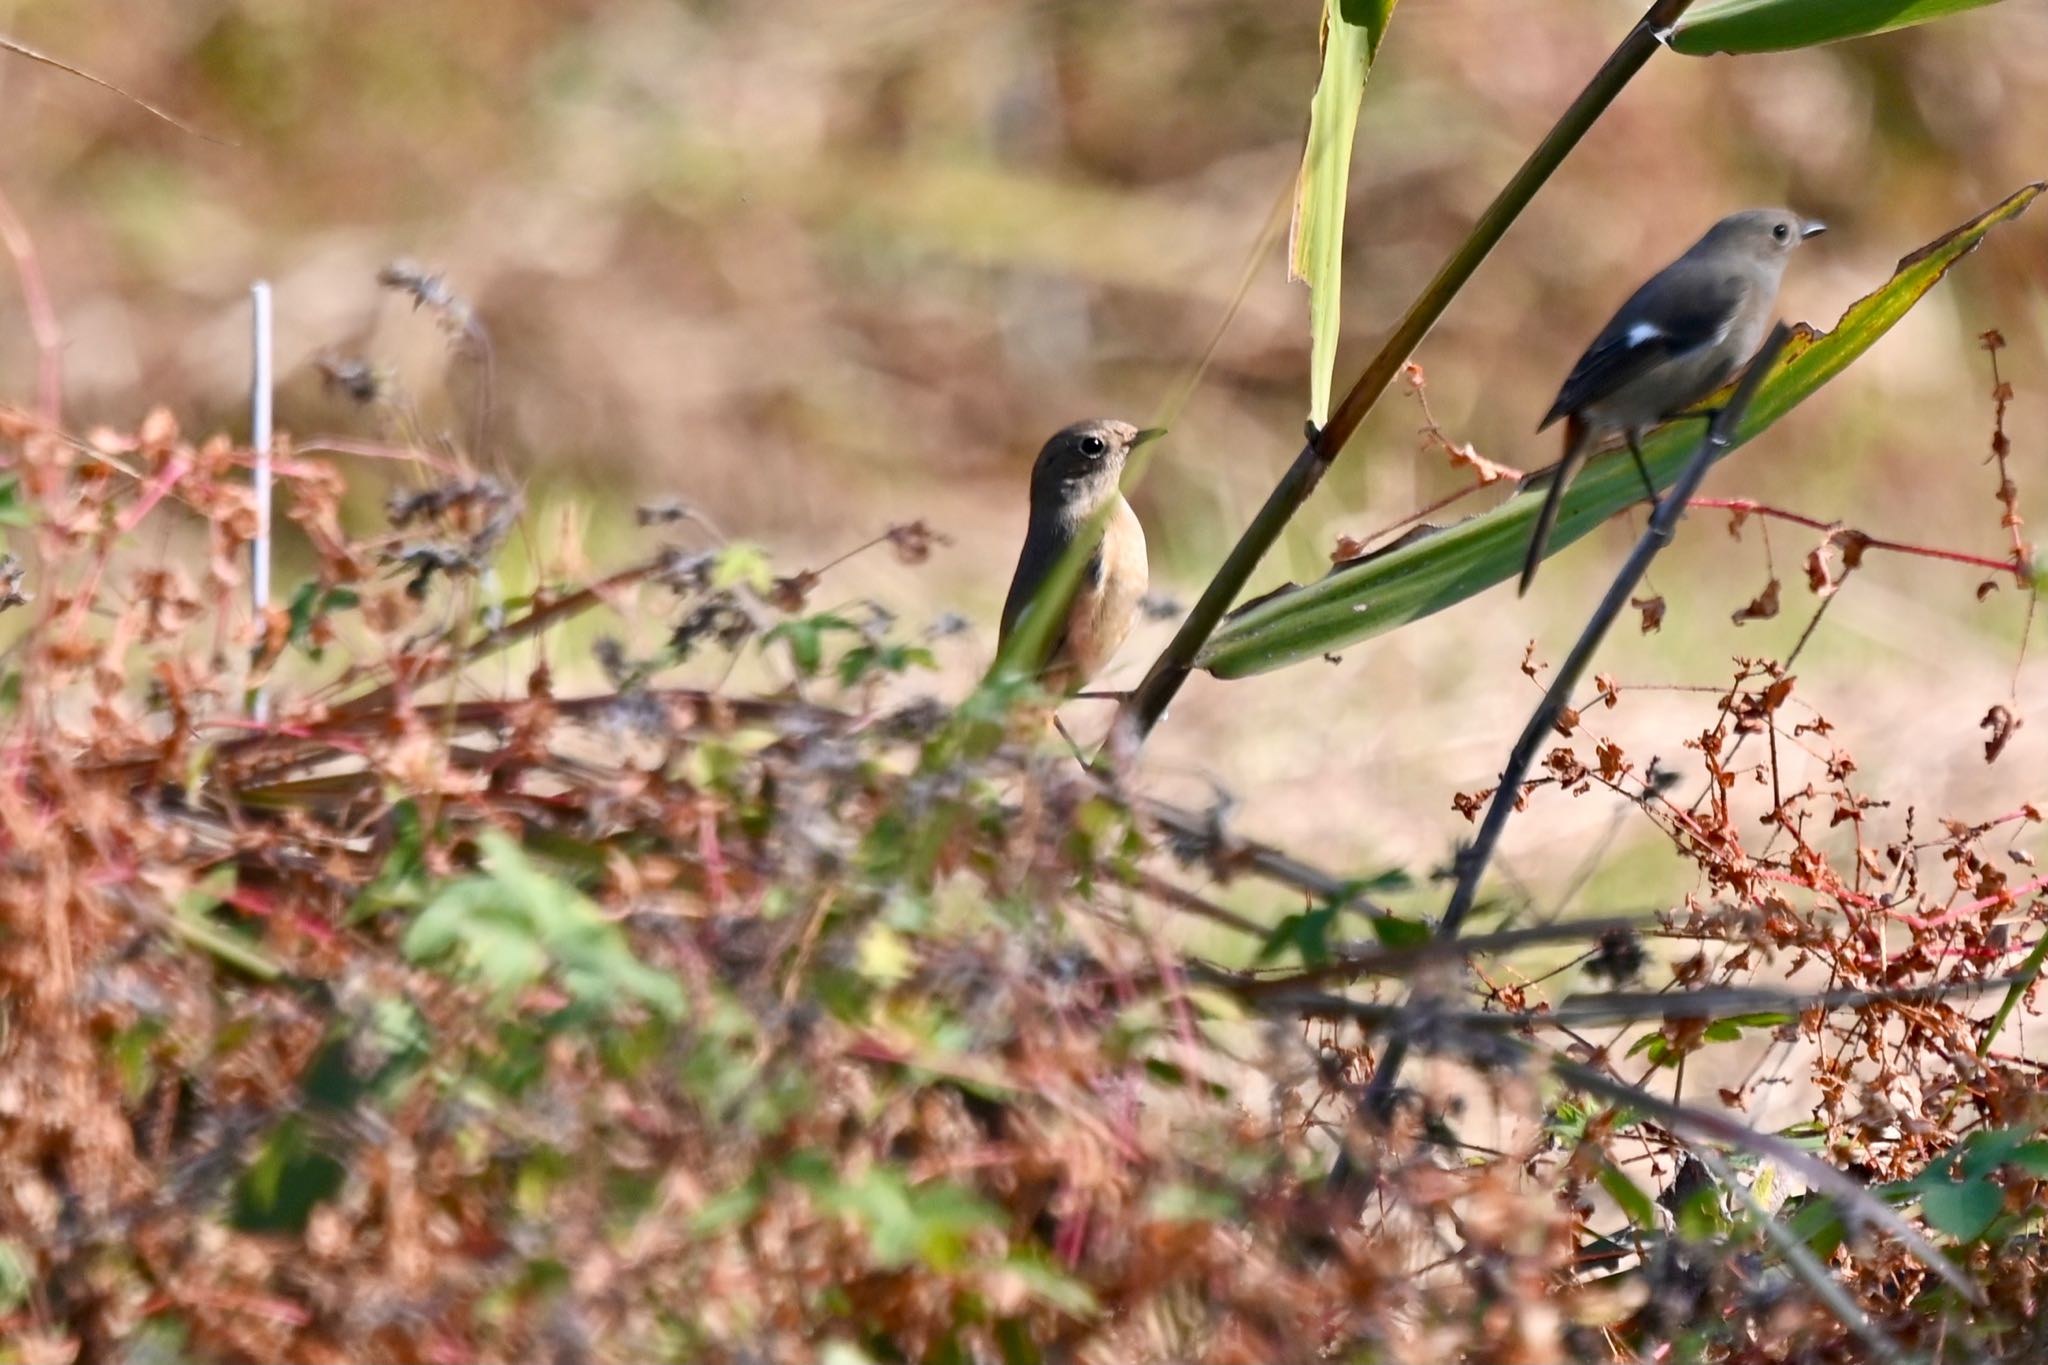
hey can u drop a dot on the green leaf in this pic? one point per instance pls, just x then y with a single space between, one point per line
14 509
862 660
278 1190
401 883
742 565
1306 931
1964 1211
1776 25
1567 1121
309 604
1816 1222
17 1274
515 923
929 1223
2031 1157
1351 39
1180 1202
1385 590
727 1209
806 637
1051 1286
1985 1152
192 921
1395 932
1634 1203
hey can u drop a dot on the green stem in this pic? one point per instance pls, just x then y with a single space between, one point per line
2029 970
1142 711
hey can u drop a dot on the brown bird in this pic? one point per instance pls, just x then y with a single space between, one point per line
1075 478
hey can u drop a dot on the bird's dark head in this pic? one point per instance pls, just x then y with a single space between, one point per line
1767 234
1079 468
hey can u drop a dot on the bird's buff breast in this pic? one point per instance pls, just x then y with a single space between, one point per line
1105 609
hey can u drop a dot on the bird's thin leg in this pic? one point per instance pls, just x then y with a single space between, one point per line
1635 450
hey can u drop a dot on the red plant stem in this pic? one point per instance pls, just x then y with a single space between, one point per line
42 315
176 468
1752 508
1950 916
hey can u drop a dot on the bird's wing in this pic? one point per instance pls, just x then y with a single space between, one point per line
1039 555
1693 307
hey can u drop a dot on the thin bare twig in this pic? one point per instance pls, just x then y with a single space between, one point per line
42 314
24 50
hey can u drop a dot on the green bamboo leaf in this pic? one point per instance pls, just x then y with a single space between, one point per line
1775 25
1411 580
1352 30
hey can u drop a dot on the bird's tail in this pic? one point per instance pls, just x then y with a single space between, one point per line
1577 437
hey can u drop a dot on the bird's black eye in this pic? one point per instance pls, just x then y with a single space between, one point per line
1093 445
1781 232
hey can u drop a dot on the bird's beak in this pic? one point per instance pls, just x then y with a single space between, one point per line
1811 230
1147 434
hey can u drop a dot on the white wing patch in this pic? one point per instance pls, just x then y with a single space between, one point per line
1644 333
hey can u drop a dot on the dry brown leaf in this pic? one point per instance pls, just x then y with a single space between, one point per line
1489 471
2001 722
1762 607
913 541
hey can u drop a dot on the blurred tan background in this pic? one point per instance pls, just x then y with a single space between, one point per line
817 266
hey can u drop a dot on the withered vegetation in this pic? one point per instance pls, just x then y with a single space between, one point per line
431 1020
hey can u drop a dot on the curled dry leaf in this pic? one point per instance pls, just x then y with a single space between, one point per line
1762 607
1821 577
1613 763
1652 609
1488 471
913 541
2001 722
789 593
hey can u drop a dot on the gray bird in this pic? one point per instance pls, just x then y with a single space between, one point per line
1077 474
1677 339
